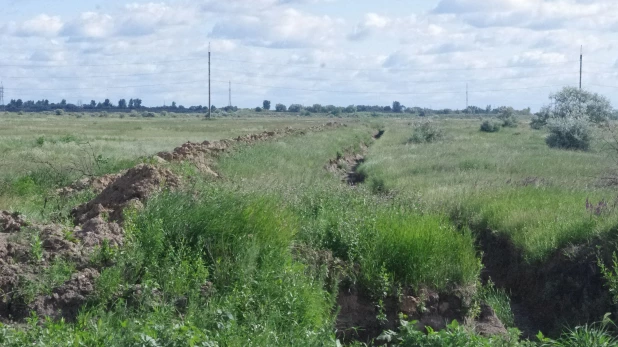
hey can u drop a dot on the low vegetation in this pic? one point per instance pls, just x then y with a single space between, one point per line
269 243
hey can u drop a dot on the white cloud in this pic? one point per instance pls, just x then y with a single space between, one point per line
41 25
297 44
287 28
90 25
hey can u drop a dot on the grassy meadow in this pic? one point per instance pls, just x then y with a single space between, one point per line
259 256
509 181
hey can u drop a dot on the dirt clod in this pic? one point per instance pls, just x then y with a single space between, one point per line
96 184
66 300
488 323
11 222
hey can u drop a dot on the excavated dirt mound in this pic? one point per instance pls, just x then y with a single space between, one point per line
96 184
137 184
64 302
203 153
11 222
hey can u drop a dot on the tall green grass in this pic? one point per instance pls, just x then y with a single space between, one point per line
509 182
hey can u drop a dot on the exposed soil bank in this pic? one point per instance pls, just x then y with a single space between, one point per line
347 164
566 290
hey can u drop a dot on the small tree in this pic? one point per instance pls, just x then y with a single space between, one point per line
258 109
397 108
280 108
576 103
266 105
295 108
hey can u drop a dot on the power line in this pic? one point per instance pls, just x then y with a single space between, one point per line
274 87
391 69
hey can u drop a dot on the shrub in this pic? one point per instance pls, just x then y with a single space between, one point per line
280 108
148 114
426 132
258 109
59 112
507 116
540 119
122 115
489 126
568 133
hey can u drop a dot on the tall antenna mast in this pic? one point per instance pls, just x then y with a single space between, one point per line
209 105
581 64
1 95
230 103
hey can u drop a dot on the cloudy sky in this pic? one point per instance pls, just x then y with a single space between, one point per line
342 52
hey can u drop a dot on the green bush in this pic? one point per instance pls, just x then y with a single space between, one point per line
490 126
569 133
426 132
59 112
507 116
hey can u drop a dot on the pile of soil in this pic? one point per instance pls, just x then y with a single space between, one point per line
135 186
200 152
95 184
11 222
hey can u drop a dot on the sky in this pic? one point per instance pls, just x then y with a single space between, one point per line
341 52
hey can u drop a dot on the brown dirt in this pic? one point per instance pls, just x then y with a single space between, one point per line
565 290
357 318
137 184
96 184
11 222
64 302
488 324
346 165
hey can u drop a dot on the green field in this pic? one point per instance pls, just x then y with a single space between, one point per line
270 252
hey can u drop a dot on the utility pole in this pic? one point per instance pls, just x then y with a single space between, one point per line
1 95
230 103
209 106
466 96
581 65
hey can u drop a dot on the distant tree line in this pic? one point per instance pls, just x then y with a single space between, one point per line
396 107
123 105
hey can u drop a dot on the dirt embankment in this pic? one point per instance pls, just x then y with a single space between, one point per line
27 252
203 154
567 289
360 318
346 164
